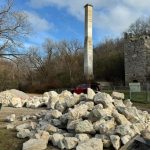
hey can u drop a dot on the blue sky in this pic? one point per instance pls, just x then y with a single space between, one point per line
64 19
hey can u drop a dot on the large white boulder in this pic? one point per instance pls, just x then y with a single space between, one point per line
33 103
56 137
77 112
105 139
121 119
118 103
45 97
65 93
90 105
115 140
45 136
91 144
50 128
70 142
117 95
53 98
139 126
70 101
60 106
90 94
71 125
105 99
23 126
55 114
96 124
125 130
128 103
57 123
84 127
131 113
107 127
35 144
24 133
125 139
98 113
82 137
46 94
16 102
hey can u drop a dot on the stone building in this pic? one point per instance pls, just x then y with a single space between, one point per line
137 58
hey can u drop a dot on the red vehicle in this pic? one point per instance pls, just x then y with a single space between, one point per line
83 88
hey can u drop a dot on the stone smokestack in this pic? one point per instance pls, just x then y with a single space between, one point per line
88 43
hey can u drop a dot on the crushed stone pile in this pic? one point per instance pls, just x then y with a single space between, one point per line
18 99
92 121
14 98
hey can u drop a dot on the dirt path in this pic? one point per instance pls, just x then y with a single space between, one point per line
6 111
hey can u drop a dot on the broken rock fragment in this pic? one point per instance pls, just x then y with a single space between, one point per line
77 112
11 118
84 127
115 140
91 144
35 144
117 95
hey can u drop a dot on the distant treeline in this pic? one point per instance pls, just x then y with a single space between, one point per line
60 64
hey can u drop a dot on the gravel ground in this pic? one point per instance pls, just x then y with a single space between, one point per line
8 139
6 111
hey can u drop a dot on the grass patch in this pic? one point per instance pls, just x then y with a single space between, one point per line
142 105
9 141
139 97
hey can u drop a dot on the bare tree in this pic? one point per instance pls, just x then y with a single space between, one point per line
140 27
13 27
49 47
70 52
7 75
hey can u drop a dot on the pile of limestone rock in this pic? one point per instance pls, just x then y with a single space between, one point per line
17 99
85 122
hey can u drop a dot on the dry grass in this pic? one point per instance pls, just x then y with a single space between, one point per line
9 141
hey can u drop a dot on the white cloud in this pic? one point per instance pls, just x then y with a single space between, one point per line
45 3
115 20
141 5
111 15
40 29
38 23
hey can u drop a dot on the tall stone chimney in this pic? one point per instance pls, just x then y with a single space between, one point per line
88 44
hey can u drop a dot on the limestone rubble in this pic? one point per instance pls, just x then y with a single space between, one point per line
91 122
17 99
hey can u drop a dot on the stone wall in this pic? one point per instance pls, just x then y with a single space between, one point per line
137 59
